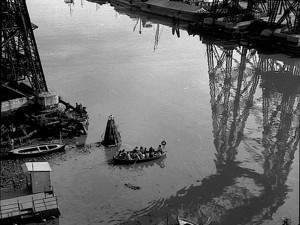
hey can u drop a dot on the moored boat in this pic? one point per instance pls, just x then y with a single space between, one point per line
37 150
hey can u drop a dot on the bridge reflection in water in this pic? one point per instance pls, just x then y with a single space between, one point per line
244 195
241 81
239 193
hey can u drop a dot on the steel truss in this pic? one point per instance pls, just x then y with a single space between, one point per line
280 12
20 59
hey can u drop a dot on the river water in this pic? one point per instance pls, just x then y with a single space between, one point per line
227 113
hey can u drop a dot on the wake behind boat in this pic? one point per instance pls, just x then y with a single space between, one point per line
37 150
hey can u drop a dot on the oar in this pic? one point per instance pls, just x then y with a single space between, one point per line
134 162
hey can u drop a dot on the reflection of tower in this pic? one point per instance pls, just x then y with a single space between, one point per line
232 89
281 106
71 4
19 54
237 194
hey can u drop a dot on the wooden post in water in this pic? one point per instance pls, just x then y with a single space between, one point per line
112 137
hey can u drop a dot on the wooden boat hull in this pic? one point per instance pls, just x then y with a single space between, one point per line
126 161
182 221
37 150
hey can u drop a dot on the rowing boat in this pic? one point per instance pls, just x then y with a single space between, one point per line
37 150
118 160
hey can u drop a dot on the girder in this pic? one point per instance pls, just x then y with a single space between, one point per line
280 12
20 59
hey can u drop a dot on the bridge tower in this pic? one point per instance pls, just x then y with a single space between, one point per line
20 58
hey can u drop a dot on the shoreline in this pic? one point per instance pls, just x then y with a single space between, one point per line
12 177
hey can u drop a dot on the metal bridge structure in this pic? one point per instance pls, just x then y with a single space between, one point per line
24 90
279 12
20 59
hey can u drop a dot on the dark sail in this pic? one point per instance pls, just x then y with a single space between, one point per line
111 137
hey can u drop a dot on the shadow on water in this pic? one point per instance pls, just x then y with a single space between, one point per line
237 194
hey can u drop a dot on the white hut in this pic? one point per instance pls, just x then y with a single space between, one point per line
38 176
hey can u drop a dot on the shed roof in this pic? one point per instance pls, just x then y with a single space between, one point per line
36 167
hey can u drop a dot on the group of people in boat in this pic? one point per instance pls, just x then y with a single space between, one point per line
140 153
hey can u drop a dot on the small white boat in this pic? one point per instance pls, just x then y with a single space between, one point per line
37 150
182 221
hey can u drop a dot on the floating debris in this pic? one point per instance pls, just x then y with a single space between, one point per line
134 187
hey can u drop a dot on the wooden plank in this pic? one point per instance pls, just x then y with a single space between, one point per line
26 198
10 210
38 196
16 213
52 207
27 205
14 205
4 215
39 204
40 209
38 201
50 200
8 201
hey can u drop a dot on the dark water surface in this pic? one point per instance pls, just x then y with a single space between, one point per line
228 114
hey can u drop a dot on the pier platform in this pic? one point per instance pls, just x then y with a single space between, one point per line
34 206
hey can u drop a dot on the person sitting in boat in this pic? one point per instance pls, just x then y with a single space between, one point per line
140 154
128 157
146 152
135 149
142 150
159 150
121 153
136 156
151 152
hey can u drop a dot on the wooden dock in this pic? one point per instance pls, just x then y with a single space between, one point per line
39 206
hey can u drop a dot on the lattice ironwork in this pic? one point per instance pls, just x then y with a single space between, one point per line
20 59
280 13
